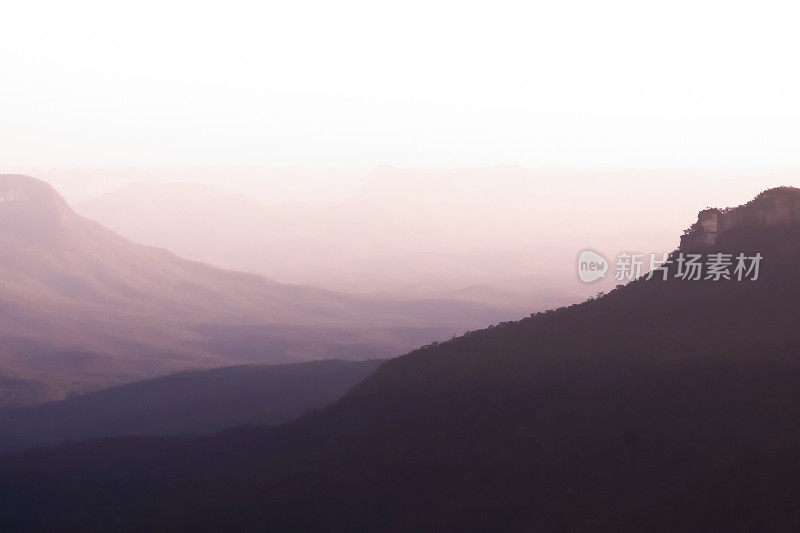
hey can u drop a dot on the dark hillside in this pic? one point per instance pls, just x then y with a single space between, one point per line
200 401
664 405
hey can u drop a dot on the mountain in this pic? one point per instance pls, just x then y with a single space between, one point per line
427 231
407 245
82 308
663 405
199 401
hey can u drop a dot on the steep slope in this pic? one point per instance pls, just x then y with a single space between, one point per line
82 308
668 405
199 401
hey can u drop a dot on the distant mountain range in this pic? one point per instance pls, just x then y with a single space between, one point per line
410 232
82 308
199 401
413 243
663 405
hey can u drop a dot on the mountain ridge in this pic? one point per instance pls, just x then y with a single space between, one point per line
186 403
669 403
82 308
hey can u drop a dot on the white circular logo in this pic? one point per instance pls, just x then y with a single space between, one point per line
591 266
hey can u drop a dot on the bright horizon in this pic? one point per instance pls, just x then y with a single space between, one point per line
423 148
578 85
406 231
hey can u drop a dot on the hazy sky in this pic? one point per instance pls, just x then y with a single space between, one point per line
645 84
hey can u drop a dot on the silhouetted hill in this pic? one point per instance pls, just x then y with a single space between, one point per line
199 401
82 308
664 405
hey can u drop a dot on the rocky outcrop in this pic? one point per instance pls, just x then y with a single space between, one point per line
772 208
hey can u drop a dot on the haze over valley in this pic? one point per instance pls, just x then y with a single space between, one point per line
502 234
363 266
83 308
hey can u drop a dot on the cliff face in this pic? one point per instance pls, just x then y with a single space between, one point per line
772 208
